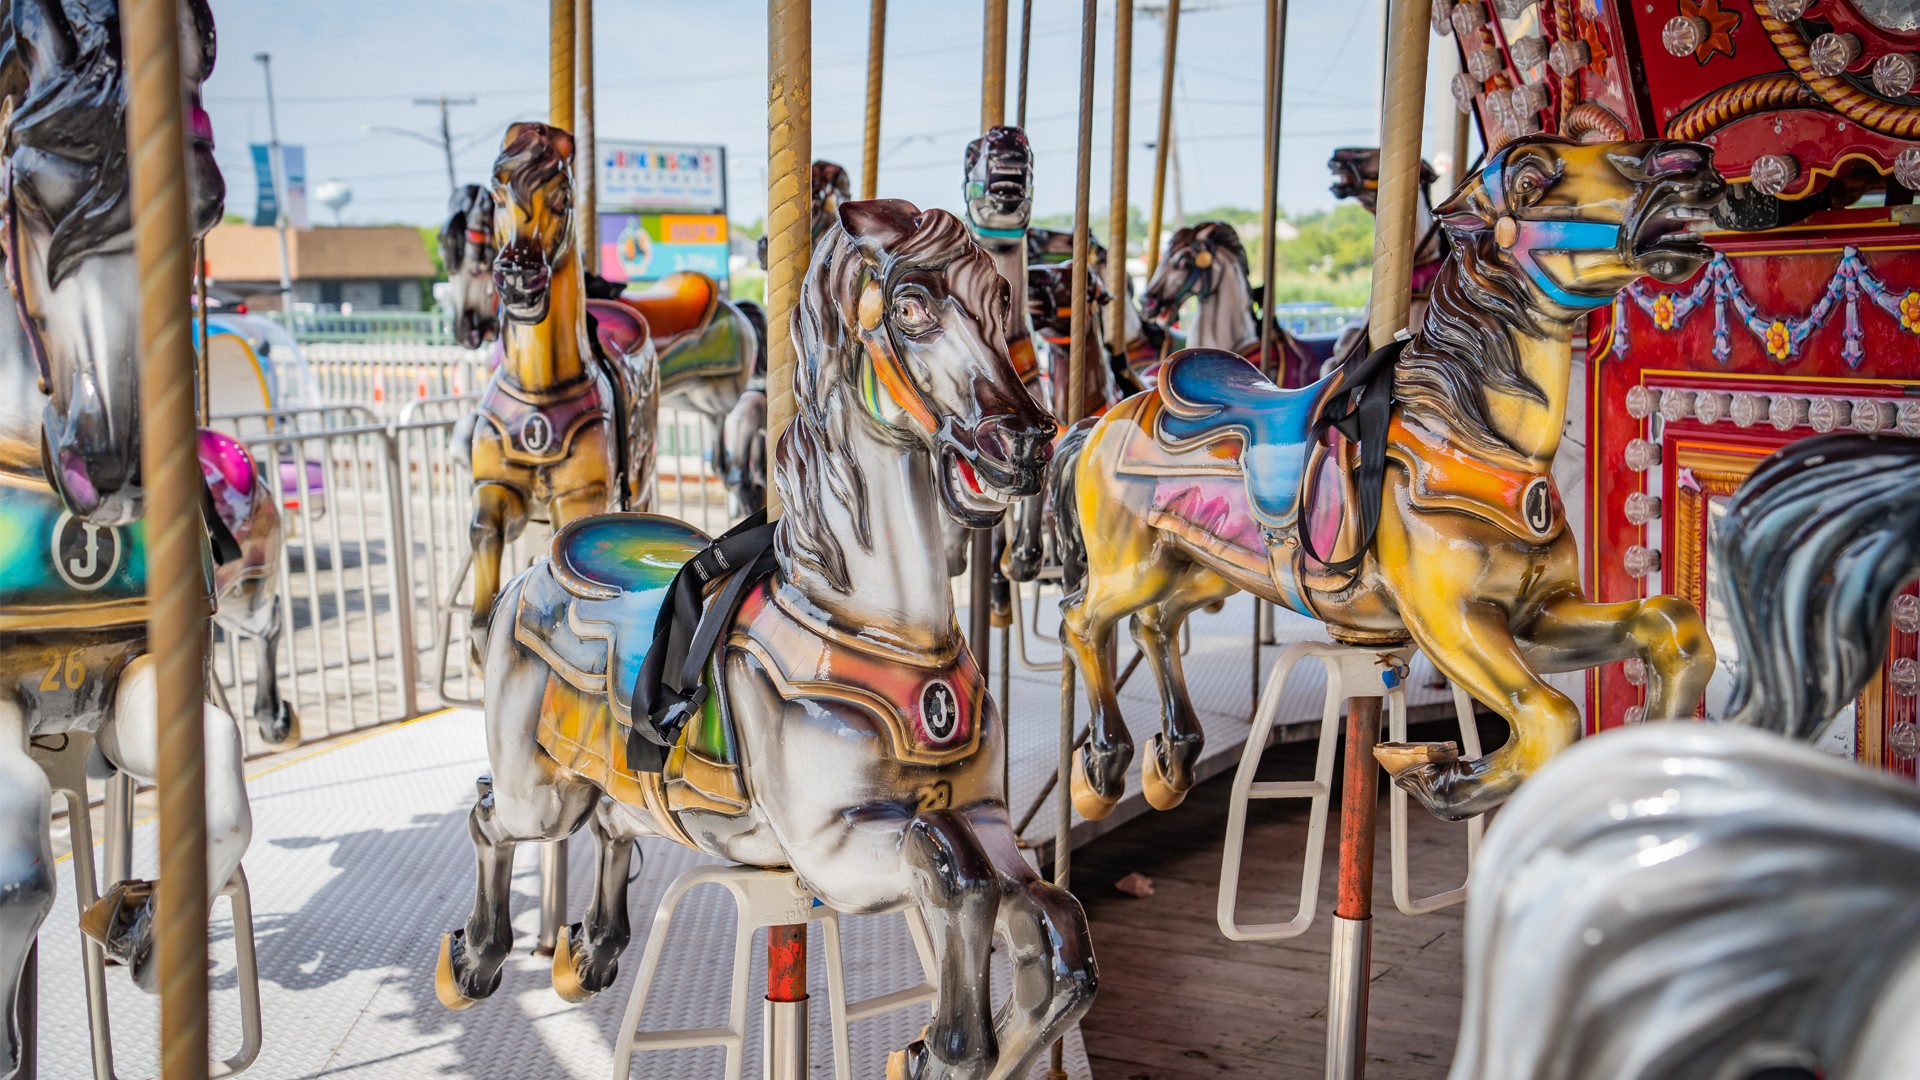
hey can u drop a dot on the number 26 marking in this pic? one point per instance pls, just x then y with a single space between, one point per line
65 670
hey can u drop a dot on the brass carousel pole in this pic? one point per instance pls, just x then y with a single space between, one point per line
789 209
176 600
1269 221
1402 116
1163 142
585 160
1117 206
561 73
1076 390
993 66
993 113
1026 47
870 146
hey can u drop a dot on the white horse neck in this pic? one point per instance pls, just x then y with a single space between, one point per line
899 598
1225 319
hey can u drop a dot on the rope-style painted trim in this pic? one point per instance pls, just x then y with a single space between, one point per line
1730 103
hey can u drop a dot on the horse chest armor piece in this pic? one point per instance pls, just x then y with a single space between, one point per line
930 711
1441 476
540 432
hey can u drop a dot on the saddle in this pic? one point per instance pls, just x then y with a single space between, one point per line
693 329
589 611
1211 395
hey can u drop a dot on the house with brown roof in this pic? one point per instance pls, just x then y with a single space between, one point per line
356 267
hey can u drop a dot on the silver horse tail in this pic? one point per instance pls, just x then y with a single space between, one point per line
1062 491
1687 902
1809 557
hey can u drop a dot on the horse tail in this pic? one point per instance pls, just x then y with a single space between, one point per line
1660 900
757 318
1808 559
1068 543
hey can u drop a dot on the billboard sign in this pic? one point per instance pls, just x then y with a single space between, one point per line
641 248
661 176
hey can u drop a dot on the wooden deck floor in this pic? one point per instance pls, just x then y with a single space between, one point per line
1179 1001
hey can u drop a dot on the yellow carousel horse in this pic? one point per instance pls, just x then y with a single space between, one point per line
1433 515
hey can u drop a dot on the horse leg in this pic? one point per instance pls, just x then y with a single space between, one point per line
958 892
130 741
1047 941
527 797
26 869
1166 770
1470 642
1568 632
279 727
1099 774
1028 549
499 513
587 959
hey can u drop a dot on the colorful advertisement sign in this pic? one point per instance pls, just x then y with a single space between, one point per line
661 176
266 207
641 248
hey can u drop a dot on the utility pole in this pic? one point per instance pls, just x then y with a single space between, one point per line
276 168
446 131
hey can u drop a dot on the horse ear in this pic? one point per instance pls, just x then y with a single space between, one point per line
878 224
562 143
1467 209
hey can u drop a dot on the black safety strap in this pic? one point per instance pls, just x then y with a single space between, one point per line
1359 410
669 691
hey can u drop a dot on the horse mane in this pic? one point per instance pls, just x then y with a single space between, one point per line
533 155
60 62
812 464
1663 901
1807 561
1462 349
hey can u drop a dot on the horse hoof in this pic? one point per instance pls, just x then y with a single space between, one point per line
1444 788
1090 804
121 923
446 985
1398 757
908 1064
567 980
1154 784
282 732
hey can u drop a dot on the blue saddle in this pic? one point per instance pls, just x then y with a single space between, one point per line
617 569
1212 394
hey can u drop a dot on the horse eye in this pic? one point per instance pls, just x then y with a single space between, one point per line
911 314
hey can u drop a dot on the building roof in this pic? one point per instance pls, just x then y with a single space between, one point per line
349 252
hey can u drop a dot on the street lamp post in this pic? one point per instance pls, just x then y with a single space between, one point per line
276 168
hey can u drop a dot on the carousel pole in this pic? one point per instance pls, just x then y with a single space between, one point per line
870 146
1402 116
561 73
1076 391
1269 221
1164 140
1026 47
789 209
585 160
177 604
1117 205
993 113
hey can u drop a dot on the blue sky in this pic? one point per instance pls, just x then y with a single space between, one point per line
690 72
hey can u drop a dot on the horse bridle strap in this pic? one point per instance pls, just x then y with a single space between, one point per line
1360 410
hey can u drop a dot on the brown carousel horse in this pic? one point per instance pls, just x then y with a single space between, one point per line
1208 262
1356 176
564 430
1434 518
848 734
1148 342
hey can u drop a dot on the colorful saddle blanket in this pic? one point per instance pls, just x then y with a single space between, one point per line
698 334
1212 395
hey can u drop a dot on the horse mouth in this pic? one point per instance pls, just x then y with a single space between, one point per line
525 299
968 500
1665 243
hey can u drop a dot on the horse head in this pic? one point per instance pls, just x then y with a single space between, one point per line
1356 175
466 247
1196 257
533 217
902 326
1050 300
999 187
830 187
69 232
1575 223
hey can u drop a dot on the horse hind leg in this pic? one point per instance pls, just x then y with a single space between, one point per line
278 724
499 514
958 893
587 959
1167 768
26 870
1099 774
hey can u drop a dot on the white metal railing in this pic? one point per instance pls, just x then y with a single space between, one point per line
386 375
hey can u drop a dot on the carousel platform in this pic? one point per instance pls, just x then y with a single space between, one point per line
360 861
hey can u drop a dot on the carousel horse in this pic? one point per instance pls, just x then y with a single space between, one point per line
1681 900
1148 342
73 571
1356 176
565 428
848 734
743 454
1208 262
1434 517
828 187
246 589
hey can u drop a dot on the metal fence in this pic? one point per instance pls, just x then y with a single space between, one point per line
386 375
401 327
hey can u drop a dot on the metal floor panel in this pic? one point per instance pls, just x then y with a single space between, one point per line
360 861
